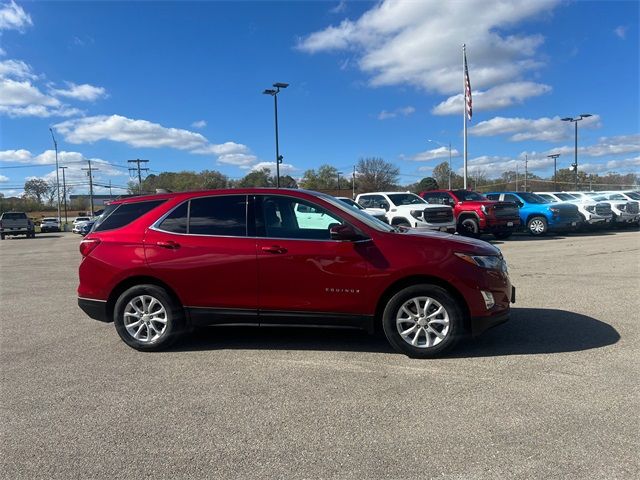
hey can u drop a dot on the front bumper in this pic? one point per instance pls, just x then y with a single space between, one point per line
480 325
96 309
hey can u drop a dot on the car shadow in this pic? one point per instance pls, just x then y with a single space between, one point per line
530 331
38 235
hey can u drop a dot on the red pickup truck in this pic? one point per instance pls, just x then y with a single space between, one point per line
475 214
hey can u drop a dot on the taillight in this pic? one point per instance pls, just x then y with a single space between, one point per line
87 245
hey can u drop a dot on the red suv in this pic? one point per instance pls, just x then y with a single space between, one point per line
476 214
158 265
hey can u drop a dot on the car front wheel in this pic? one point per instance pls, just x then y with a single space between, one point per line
537 226
147 318
422 321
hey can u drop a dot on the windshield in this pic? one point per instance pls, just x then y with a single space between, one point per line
633 195
565 196
547 197
361 215
601 198
532 197
405 199
466 196
351 203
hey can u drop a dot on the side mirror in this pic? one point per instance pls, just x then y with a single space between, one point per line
345 232
384 205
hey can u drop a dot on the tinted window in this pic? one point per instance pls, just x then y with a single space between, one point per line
547 197
371 201
493 196
124 214
438 198
176 221
14 216
288 217
221 215
565 196
405 199
508 197
468 196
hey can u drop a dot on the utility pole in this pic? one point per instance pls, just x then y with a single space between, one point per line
90 174
516 176
55 145
526 172
353 184
339 173
64 194
110 195
139 170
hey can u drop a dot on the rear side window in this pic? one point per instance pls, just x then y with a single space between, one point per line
123 214
14 216
220 215
176 221
493 196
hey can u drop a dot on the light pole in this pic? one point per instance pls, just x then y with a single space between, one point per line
55 145
274 94
555 169
64 195
444 146
575 158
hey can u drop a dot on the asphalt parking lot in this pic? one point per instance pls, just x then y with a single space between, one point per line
554 393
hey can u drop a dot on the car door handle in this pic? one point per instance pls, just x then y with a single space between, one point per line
274 249
168 244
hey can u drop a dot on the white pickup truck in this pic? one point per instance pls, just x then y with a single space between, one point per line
16 223
409 210
593 213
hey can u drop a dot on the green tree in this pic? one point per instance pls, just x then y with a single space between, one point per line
374 174
426 184
257 178
288 182
326 178
36 188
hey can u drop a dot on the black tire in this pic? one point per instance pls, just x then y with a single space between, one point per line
502 235
2 236
537 226
175 319
469 227
441 296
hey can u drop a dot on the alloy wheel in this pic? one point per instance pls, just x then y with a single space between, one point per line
422 322
145 319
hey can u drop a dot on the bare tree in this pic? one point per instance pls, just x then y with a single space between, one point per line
374 174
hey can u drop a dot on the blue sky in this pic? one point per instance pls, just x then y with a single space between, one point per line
180 84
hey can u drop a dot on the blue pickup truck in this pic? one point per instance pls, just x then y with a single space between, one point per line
538 215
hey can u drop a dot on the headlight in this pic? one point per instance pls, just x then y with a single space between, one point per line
490 262
483 209
590 208
417 214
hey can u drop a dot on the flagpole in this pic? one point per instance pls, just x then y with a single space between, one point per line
464 110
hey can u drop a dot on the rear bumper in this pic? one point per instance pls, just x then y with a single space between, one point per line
96 309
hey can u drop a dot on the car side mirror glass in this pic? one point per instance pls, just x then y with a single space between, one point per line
345 232
384 205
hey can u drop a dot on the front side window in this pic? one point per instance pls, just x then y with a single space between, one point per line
123 214
224 215
288 217
372 201
493 196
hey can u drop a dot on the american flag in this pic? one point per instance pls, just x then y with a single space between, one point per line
467 89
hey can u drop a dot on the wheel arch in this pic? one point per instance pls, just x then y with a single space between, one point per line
132 282
536 214
405 282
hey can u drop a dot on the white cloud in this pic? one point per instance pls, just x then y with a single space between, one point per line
403 111
13 17
19 156
16 69
434 154
285 168
21 97
3 179
501 96
199 124
84 92
620 31
137 133
145 134
340 7
520 129
419 43
630 165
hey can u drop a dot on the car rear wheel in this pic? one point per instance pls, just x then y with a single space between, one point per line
147 318
469 227
537 226
422 321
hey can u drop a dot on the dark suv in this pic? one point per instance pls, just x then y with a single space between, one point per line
157 265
